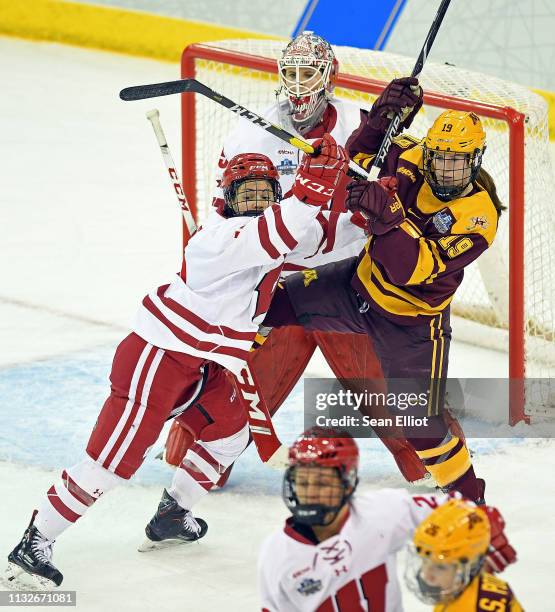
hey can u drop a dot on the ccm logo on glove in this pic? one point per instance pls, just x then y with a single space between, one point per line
319 173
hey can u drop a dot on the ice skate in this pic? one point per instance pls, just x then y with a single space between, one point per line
30 563
172 525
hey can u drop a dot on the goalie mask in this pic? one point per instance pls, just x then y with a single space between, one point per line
322 476
307 72
453 150
447 551
250 183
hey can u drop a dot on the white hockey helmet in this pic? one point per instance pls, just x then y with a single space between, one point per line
307 72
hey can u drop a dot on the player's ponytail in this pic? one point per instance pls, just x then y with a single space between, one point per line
485 181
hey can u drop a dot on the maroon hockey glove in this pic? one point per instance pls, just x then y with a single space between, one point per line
318 176
500 553
377 200
400 96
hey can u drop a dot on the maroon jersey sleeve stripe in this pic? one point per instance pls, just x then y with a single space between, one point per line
331 232
264 236
291 267
200 323
199 345
282 230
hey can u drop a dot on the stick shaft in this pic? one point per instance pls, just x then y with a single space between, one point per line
141 92
395 124
154 117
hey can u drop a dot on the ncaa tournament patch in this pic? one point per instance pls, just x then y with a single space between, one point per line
443 220
286 167
309 586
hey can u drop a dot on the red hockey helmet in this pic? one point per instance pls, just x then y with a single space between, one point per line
322 446
324 449
256 196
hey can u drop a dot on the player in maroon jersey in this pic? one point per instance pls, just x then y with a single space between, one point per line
433 211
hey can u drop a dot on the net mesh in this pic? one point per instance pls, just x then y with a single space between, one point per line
482 300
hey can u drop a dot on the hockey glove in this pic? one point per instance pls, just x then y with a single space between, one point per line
378 201
500 553
318 175
400 96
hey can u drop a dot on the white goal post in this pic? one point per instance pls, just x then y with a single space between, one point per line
507 298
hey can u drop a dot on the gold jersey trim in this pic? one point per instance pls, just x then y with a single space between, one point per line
401 303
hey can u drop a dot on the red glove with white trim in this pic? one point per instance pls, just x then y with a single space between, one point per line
318 175
378 201
500 553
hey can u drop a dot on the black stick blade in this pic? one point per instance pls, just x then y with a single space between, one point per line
156 90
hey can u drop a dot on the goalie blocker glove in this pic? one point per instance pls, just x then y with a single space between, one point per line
319 174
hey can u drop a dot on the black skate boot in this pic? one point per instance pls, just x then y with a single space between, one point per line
29 563
172 525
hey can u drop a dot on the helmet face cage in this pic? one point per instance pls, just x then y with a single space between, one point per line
306 71
436 583
449 172
323 498
250 196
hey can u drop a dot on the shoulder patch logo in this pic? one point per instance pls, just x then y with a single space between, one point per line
478 222
286 167
443 220
407 172
309 586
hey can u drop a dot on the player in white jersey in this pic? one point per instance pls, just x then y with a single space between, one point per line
337 552
307 70
185 334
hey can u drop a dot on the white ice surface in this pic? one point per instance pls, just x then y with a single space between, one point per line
88 225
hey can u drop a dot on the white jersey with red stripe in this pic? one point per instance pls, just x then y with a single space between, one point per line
340 120
231 268
353 571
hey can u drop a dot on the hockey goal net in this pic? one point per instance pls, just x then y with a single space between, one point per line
507 299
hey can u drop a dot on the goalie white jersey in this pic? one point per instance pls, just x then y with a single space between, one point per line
231 267
340 120
353 571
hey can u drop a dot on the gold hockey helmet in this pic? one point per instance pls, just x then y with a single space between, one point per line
453 150
447 551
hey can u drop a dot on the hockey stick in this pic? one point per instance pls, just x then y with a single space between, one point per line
269 448
395 124
141 92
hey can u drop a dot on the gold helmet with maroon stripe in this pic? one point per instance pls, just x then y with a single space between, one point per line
447 551
307 72
453 150
250 183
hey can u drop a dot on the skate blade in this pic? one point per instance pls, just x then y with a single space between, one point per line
17 579
149 545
